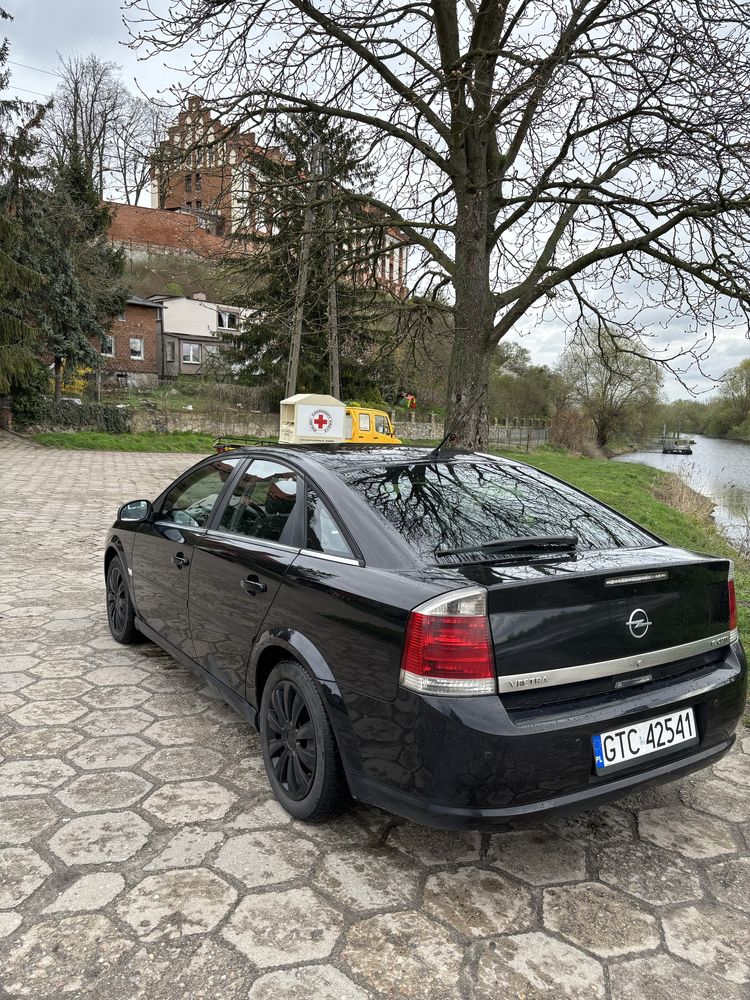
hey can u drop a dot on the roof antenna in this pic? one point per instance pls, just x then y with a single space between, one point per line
436 451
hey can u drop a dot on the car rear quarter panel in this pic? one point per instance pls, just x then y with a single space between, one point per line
353 616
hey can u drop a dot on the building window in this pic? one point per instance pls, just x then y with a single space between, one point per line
169 351
189 183
199 203
136 349
191 354
108 345
228 320
188 204
121 316
198 182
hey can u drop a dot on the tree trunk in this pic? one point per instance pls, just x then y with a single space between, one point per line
58 378
466 414
334 376
301 290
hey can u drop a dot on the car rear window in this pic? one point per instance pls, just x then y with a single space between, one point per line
445 505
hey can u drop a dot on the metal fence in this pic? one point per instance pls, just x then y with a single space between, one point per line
523 432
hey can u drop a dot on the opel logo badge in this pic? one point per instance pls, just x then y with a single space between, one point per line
638 623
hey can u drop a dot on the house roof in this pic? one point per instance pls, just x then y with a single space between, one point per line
160 229
133 300
161 298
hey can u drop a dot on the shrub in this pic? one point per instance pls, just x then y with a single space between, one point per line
571 430
26 398
40 413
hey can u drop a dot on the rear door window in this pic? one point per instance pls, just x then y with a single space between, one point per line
323 533
380 425
262 503
444 505
364 421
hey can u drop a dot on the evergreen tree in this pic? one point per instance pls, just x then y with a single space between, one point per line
322 171
18 123
65 229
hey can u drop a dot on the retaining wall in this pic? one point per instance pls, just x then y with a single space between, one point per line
511 432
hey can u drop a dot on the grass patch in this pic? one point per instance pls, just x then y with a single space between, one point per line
634 490
177 441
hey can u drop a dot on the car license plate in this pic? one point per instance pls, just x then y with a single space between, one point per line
642 739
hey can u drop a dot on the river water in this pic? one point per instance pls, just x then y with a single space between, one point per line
719 469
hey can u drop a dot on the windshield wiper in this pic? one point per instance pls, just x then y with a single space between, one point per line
531 543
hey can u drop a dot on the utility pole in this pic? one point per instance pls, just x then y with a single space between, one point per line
334 377
304 266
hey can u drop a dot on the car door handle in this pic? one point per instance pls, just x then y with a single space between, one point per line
179 560
252 585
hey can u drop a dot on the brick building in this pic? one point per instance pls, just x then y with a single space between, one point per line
142 231
202 168
207 171
131 349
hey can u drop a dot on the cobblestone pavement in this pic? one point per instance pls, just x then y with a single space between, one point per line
141 853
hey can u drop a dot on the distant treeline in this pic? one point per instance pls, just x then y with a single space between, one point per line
725 415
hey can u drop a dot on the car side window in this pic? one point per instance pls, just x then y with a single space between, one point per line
262 502
380 425
191 501
323 534
364 421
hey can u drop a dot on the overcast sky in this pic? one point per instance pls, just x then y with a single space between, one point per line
43 28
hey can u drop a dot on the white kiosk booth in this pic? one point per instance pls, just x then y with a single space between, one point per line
308 418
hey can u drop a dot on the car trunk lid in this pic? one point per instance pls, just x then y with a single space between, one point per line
612 611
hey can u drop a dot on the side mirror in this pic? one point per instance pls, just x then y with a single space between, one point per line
136 510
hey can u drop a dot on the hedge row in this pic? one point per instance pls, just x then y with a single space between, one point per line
43 414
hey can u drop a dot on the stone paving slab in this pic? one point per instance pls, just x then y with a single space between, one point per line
141 854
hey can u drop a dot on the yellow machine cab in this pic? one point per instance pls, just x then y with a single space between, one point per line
367 426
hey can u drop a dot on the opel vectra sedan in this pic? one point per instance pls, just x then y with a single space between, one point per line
454 637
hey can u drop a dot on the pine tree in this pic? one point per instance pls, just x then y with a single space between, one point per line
18 123
65 229
321 173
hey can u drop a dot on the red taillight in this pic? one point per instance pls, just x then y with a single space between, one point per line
448 647
732 601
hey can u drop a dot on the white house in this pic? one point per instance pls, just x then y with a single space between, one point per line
193 330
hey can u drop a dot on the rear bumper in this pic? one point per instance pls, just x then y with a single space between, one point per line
464 763
448 817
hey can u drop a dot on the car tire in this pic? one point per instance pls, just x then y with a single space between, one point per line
120 610
299 748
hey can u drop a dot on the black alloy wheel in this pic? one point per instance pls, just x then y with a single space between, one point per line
120 611
291 746
299 748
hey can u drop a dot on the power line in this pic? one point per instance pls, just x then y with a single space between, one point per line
35 69
37 92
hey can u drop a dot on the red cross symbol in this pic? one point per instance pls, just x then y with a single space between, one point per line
320 421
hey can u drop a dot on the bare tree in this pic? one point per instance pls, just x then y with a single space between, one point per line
617 387
138 130
115 130
591 155
85 105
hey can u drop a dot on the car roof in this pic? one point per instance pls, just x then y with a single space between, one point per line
340 458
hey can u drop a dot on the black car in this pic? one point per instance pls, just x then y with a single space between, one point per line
454 637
